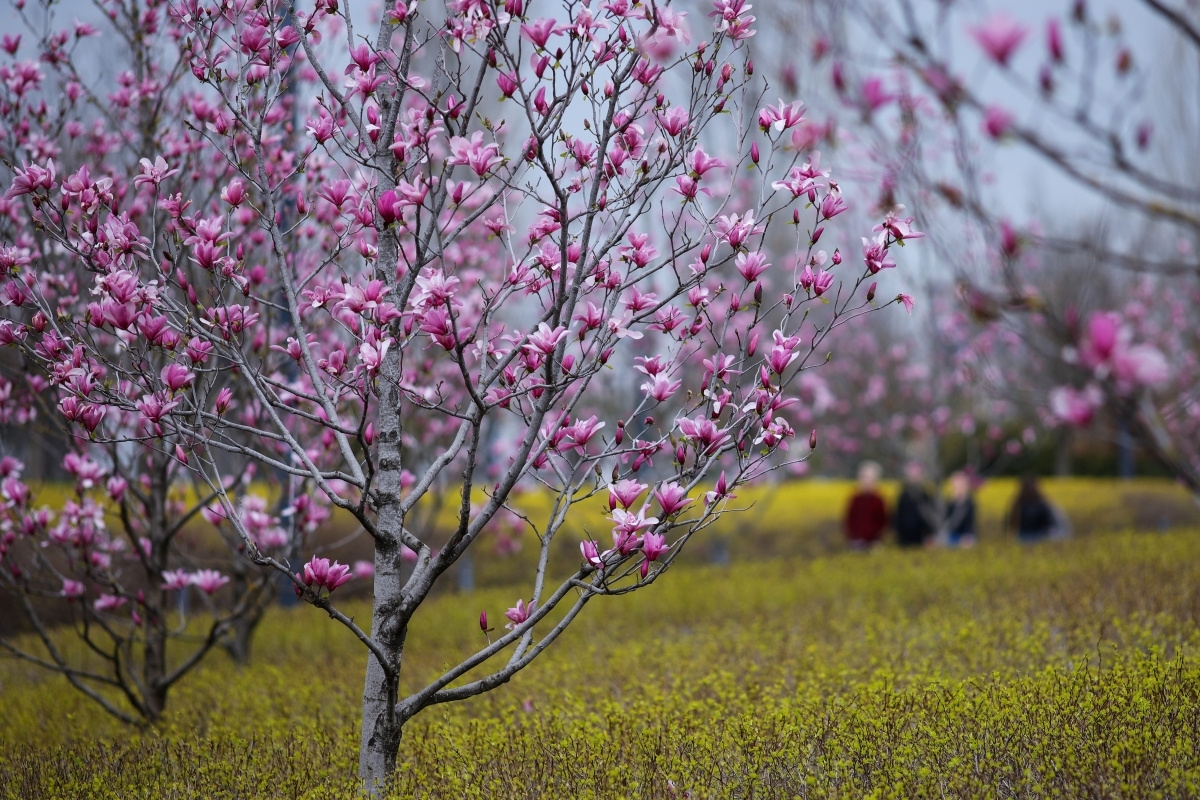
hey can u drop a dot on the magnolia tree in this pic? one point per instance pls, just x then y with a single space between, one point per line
426 289
1068 92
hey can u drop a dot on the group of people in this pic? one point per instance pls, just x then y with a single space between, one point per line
920 520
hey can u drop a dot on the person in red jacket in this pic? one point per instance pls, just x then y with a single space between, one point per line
866 516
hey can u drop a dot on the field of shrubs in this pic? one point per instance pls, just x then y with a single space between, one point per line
1066 669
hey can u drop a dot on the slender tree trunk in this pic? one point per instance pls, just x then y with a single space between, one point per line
154 671
381 726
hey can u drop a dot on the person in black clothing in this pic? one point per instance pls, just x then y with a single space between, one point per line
960 512
1031 515
914 509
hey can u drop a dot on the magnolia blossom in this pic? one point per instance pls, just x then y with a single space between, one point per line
654 545
672 498
1076 407
208 580
518 614
591 554
625 492
999 36
176 579
322 574
108 602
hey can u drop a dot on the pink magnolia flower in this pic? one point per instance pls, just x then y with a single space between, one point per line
752 265
30 178
906 300
1054 43
999 36
654 545
208 581
672 498
545 339
895 223
705 433
234 193
625 493
874 94
154 173
364 569
1141 365
1104 336
176 377
674 121
224 400
591 554
87 473
321 573
996 121
518 614
660 387
781 117
108 602
780 358
481 158
508 82
582 431
736 229
116 488
822 281
1075 407
176 579
373 355
539 31
720 491
875 254
72 589
700 162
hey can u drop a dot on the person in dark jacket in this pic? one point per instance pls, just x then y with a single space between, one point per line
866 516
914 509
1031 516
960 512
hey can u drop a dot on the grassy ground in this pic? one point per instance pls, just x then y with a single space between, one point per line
1068 669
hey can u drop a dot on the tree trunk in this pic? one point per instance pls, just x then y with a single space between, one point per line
381 726
154 670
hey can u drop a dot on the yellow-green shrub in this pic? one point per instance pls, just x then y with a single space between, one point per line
1069 669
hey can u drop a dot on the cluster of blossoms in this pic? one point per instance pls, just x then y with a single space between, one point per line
319 573
1107 352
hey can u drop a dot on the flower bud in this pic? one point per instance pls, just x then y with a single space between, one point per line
816 237
871 291
812 440
754 152
483 626
836 258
